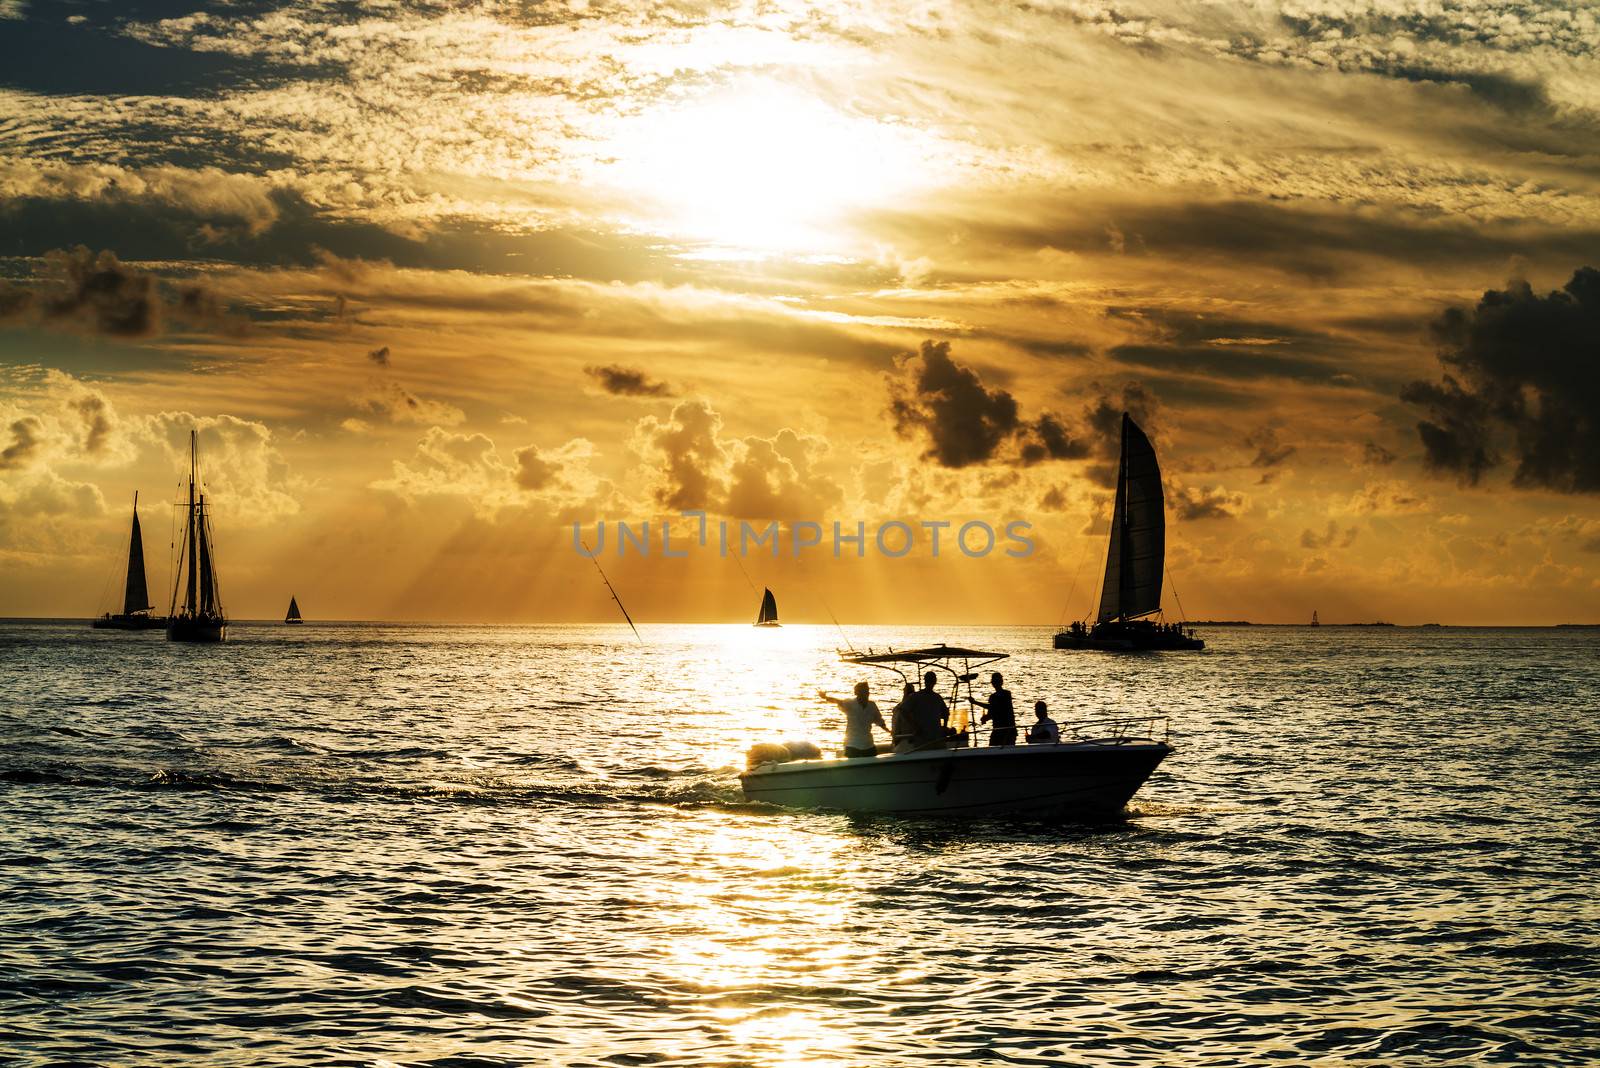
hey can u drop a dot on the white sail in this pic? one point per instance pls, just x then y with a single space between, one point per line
1136 555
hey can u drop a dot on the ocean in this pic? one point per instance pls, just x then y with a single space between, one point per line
481 846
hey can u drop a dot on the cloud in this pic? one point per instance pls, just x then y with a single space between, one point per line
1269 451
1522 374
627 381
245 475
963 421
396 404
778 478
379 356
24 444
694 459
540 470
96 291
1203 503
1375 455
1310 539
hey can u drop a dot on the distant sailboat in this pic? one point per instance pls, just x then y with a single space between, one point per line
768 615
1135 561
293 615
1315 622
200 619
135 614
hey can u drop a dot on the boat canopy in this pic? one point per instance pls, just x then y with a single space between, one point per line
922 656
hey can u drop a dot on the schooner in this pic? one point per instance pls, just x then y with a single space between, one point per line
200 618
1135 561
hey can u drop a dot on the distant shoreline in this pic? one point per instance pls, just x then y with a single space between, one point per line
83 621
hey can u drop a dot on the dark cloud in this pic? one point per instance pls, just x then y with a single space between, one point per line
963 421
1522 373
534 471
96 291
627 381
1376 455
96 416
379 356
1103 415
1269 451
24 443
1215 503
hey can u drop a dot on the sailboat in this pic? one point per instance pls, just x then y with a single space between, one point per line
293 615
135 614
1315 622
1135 562
200 619
768 615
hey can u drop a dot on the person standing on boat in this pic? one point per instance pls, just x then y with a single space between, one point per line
999 710
1044 730
860 716
930 716
902 728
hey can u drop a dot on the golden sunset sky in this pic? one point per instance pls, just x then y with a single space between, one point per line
434 280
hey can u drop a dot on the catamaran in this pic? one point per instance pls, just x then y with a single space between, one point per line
135 614
200 618
1135 561
1091 773
767 616
293 614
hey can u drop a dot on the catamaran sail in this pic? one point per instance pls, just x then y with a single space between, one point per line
1135 561
293 615
1137 552
200 618
768 615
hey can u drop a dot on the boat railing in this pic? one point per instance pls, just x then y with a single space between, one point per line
1119 730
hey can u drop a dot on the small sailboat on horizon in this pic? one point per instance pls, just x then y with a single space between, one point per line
135 614
200 618
293 615
767 616
1135 562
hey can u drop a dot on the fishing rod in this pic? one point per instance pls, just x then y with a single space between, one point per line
835 619
595 561
745 573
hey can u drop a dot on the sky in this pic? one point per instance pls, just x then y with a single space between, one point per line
437 281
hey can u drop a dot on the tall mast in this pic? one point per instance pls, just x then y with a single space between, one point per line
1121 534
189 599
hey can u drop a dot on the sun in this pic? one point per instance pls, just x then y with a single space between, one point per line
761 169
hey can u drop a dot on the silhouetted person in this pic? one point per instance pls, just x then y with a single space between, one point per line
929 715
1044 730
1001 711
903 729
860 715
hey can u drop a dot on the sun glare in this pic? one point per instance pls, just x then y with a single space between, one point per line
766 171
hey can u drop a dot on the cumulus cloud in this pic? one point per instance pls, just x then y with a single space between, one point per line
447 463
245 475
538 470
24 444
627 381
962 421
379 356
693 459
692 466
1522 376
1205 503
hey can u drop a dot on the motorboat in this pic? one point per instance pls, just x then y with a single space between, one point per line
1091 773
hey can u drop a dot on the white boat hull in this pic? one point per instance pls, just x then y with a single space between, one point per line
1085 780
